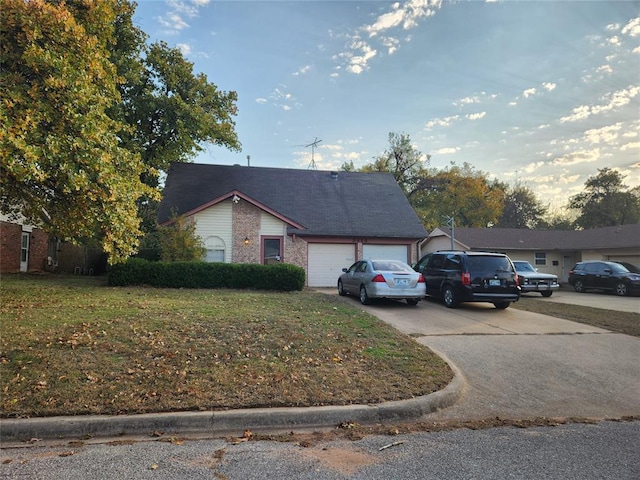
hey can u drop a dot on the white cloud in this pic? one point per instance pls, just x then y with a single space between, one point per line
605 135
604 69
476 116
577 157
391 43
405 15
261 100
549 86
184 48
446 151
630 146
613 41
173 22
529 92
614 100
632 28
303 70
441 122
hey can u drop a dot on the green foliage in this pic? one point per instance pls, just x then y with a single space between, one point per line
178 241
521 208
61 160
137 271
606 201
462 192
90 114
402 159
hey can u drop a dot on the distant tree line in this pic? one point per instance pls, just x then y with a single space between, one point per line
474 200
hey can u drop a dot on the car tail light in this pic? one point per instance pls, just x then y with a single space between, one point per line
378 279
466 278
421 279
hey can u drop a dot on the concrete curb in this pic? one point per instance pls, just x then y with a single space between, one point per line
229 422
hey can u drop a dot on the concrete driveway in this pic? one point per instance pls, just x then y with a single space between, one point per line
596 299
519 364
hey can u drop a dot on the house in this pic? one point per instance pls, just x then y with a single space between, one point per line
319 220
28 248
551 251
23 247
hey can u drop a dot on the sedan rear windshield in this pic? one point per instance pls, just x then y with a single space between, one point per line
387 266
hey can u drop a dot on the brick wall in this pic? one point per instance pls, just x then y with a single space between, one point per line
10 246
295 251
246 224
10 238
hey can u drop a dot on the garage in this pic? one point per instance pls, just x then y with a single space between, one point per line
386 252
634 259
326 261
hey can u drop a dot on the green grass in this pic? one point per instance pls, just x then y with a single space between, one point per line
72 345
620 322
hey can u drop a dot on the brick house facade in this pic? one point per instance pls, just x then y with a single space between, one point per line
22 248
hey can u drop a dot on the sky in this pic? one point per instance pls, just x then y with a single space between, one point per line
536 93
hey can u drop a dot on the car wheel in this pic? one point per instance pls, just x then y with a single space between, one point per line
621 289
546 294
412 301
578 286
364 297
502 305
450 298
341 291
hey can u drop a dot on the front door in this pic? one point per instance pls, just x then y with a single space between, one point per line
24 252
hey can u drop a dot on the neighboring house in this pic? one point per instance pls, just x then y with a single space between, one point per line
319 220
551 251
28 248
23 247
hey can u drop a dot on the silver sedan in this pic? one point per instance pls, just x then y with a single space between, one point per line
382 279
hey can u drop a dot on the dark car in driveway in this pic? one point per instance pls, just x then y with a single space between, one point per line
602 275
457 276
531 280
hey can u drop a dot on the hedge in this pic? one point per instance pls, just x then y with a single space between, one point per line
137 271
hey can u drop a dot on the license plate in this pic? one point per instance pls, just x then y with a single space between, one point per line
494 282
402 282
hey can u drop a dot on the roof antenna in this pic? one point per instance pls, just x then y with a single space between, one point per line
248 160
313 145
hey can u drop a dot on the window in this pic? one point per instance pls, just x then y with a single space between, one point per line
215 249
540 258
24 250
271 250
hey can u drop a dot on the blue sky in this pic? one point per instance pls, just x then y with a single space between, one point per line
541 92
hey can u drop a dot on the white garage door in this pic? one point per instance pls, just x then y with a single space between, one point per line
385 252
326 261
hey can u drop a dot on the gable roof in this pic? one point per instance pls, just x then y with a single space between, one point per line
623 236
312 202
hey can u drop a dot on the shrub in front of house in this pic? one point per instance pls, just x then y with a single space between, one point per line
136 271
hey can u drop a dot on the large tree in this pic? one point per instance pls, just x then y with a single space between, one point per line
521 208
61 159
91 114
460 192
403 160
606 201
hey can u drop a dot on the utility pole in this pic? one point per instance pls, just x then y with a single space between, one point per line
451 223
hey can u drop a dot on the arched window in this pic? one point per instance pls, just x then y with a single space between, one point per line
215 249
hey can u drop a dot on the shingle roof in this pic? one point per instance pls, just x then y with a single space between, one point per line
623 236
351 204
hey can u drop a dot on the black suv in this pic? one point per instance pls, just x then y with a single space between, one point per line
456 276
596 274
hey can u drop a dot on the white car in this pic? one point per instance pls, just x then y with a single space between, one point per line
530 280
382 279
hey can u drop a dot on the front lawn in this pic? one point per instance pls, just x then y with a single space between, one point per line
71 345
